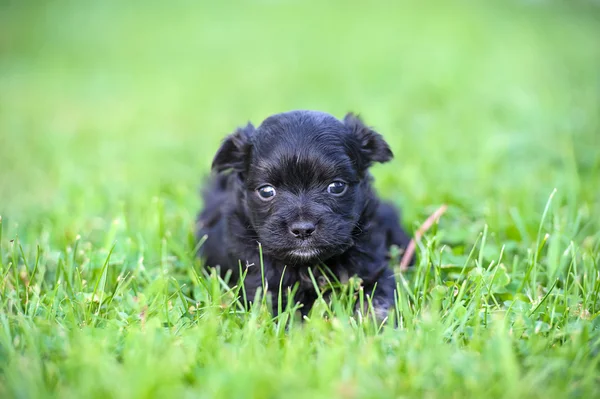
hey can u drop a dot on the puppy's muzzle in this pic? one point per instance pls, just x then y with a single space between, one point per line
302 229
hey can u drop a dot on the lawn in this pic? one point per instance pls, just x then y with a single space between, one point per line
110 113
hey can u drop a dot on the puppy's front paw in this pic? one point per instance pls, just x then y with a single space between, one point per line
378 307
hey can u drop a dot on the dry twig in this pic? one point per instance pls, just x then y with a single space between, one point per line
410 250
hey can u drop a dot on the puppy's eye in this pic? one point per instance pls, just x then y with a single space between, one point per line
337 188
266 192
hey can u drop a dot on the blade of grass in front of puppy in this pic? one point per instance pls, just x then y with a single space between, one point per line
38 253
462 274
361 304
279 296
371 310
539 244
336 299
482 246
262 275
399 313
406 288
242 285
343 299
284 321
318 291
201 242
25 275
15 266
235 291
280 316
198 280
100 280
32 278
182 299
490 293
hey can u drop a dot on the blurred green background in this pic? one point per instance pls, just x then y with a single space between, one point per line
488 106
111 112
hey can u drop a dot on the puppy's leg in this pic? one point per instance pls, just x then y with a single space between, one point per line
368 261
381 291
389 218
211 222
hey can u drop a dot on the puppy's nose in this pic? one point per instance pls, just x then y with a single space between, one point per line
302 229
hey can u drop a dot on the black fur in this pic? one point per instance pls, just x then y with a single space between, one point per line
299 154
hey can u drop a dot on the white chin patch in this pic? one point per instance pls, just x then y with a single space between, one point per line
304 253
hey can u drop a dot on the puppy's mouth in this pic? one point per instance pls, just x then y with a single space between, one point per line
304 253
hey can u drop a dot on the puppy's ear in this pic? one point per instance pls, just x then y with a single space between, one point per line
234 150
372 145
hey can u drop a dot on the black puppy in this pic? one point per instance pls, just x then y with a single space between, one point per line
299 185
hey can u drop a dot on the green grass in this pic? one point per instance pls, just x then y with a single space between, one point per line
110 115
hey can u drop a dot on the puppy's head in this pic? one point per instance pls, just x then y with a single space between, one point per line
304 180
